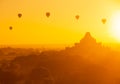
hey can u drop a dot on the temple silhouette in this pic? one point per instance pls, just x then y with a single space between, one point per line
88 47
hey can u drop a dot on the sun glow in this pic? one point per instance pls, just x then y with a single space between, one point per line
115 26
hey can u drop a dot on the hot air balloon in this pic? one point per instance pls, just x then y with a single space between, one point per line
48 14
77 17
103 20
19 15
10 27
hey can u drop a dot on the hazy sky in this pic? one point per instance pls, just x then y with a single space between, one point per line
61 27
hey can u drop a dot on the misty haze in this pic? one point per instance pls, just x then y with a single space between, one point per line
87 62
59 42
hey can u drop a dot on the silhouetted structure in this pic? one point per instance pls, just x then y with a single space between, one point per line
88 47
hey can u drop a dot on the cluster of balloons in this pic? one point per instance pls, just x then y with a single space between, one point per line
19 16
103 19
48 15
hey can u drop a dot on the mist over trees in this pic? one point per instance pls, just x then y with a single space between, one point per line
87 62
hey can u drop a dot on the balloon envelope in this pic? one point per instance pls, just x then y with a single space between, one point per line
77 17
19 15
10 27
104 20
47 14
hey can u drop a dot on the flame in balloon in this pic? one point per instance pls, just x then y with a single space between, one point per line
19 15
103 20
77 17
48 14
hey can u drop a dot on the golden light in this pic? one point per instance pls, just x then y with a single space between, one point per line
115 25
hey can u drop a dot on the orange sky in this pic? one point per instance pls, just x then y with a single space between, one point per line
61 27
